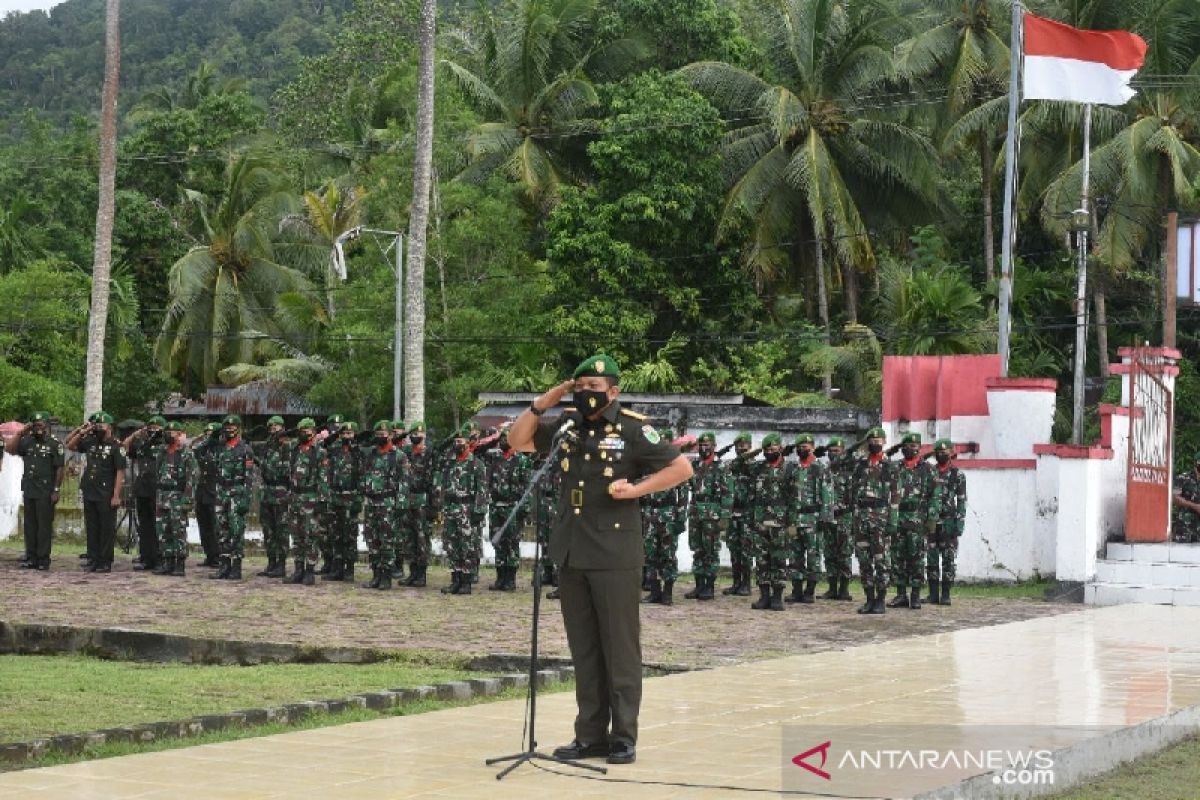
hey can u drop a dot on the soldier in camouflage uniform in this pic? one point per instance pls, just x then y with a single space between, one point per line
839 534
943 547
919 505
771 504
417 517
508 474
384 486
660 538
1185 507
345 502
812 498
205 449
545 504
235 464
272 505
873 499
176 476
327 437
712 504
738 538
398 430
461 496
308 492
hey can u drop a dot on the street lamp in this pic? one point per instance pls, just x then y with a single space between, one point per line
338 260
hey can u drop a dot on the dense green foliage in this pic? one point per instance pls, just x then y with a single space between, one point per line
756 196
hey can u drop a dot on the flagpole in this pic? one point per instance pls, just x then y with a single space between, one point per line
1082 223
1010 183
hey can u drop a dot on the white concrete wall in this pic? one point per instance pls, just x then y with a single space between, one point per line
973 429
1078 534
1020 419
1001 539
1113 479
11 470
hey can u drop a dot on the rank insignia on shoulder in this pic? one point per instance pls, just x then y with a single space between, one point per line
651 435
633 414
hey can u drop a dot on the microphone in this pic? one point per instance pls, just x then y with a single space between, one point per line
566 426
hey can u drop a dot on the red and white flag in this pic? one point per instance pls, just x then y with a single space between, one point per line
1065 63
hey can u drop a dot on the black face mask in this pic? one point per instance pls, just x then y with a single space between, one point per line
416 440
460 448
772 455
706 451
742 449
804 452
910 452
875 447
943 458
306 435
231 434
381 440
39 433
591 401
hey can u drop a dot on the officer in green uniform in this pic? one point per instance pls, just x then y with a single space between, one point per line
738 538
176 472
812 498
345 503
235 463
919 508
943 547
206 449
142 448
272 505
461 497
384 485
712 503
1185 510
873 500
508 474
596 543
839 534
308 486
101 485
43 457
416 517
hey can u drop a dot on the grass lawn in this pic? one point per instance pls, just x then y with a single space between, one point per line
47 695
1173 774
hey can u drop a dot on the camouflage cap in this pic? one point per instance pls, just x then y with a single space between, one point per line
276 420
103 418
805 438
349 426
876 433
307 422
157 419
943 444
707 436
40 416
836 441
384 425
599 365
173 425
744 436
232 419
910 438
770 439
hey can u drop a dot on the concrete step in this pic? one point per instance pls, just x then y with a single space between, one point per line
1113 594
1149 573
1166 552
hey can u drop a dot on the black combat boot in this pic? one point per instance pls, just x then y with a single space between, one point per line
337 572
374 582
297 574
235 570
667 598
764 598
44 565
464 586
878 606
655 590
737 577
777 598
385 579
645 579
397 572
222 573
164 566
417 579
844 589
706 591
810 588
797 591
935 597
455 583
914 601
550 578
832 592
743 588
695 592
870 603
310 574
279 570
178 569
946 584
900 600
348 572
326 565
510 580
499 582
267 570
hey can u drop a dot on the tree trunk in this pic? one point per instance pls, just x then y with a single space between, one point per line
850 292
93 384
823 312
1100 302
986 165
418 221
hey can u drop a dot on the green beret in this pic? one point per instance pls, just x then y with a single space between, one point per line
276 420
805 438
173 425
836 441
212 426
743 437
157 420
910 438
598 365
383 425
93 415
40 416
943 444
707 436
350 426
104 418
416 425
334 419
307 422
770 439
232 419
876 433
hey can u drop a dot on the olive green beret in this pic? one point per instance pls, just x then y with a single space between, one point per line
805 438
232 419
876 433
307 422
598 365
743 437
469 428
383 425
911 438
836 441
40 416
157 420
104 418
334 419
707 436
770 439
212 426
173 425
350 426
943 444
276 420
416 425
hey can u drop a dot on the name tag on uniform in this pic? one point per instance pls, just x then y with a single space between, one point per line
612 443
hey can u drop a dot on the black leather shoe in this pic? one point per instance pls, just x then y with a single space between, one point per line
577 750
622 752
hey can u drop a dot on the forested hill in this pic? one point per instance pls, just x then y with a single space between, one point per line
54 62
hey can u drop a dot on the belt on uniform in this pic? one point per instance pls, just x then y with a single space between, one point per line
872 502
910 506
809 509
460 498
276 484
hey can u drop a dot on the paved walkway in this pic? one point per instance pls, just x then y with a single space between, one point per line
1114 666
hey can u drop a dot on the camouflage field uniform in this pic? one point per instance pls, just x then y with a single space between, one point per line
873 496
918 503
384 487
1185 523
177 473
235 476
712 504
308 492
770 505
812 496
345 503
839 534
943 547
660 533
415 524
273 504
738 537
508 474
545 504
462 497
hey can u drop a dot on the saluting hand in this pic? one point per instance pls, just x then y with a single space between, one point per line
551 397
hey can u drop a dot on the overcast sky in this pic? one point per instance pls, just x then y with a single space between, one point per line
25 5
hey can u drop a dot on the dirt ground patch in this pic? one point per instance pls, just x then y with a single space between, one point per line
695 634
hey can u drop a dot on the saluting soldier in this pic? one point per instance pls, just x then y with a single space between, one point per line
101 484
597 545
176 473
461 493
919 507
812 497
508 475
738 538
951 487
417 516
839 533
206 449
308 493
273 503
771 504
1185 509
43 457
143 448
345 503
384 486
235 464
660 538
712 504
876 514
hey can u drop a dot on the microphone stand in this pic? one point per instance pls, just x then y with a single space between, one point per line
531 752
